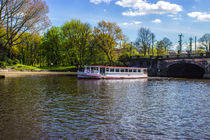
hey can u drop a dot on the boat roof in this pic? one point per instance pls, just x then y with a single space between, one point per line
115 67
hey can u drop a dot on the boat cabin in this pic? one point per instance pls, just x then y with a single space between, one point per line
107 69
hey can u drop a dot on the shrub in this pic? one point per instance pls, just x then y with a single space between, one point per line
16 61
10 62
3 64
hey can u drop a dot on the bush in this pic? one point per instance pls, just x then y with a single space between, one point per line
10 62
16 61
3 64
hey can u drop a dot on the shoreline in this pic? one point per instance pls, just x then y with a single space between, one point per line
4 73
10 74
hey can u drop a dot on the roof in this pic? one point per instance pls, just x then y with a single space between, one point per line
115 67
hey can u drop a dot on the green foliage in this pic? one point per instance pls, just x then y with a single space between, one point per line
29 51
16 61
76 42
10 62
3 64
24 67
55 68
160 48
60 68
106 36
52 46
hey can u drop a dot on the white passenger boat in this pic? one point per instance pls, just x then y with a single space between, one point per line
107 72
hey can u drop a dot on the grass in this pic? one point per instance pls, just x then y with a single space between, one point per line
60 68
52 68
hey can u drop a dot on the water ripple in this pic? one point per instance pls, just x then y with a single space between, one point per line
67 108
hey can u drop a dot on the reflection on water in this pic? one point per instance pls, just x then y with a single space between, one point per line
64 107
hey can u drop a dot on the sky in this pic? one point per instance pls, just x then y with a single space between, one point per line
165 18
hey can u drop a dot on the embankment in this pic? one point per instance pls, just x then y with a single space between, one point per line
9 74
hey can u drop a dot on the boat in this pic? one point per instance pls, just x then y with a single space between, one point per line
109 72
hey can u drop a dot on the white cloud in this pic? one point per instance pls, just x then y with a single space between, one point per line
99 1
177 18
142 7
125 23
137 22
200 16
131 23
171 15
157 21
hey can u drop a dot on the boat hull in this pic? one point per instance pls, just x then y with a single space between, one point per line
88 76
99 76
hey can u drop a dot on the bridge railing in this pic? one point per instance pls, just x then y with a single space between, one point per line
178 56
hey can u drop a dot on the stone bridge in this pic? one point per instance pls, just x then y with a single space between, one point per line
187 68
182 66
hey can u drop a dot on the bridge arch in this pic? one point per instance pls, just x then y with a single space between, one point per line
185 70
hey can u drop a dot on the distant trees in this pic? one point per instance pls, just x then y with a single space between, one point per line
29 51
127 48
204 40
160 46
166 43
144 40
145 43
75 43
107 35
76 37
51 46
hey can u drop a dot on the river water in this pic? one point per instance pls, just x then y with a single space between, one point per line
66 108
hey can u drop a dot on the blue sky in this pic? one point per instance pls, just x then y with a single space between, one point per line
165 18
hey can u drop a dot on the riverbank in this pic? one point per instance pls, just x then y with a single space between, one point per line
9 74
19 70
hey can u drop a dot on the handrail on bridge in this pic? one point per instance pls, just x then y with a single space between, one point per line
178 56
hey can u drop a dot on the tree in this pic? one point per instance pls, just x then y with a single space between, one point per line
144 40
107 35
127 48
20 16
3 50
160 48
204 40
76 37
29 50
95 55
52 46
167 43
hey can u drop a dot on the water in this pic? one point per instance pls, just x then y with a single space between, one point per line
67 108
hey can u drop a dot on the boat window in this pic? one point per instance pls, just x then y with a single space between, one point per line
107 69
145 71
134 70
95 68
139 70
126 70
117 70
102 70
122 70
112 70
130 70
